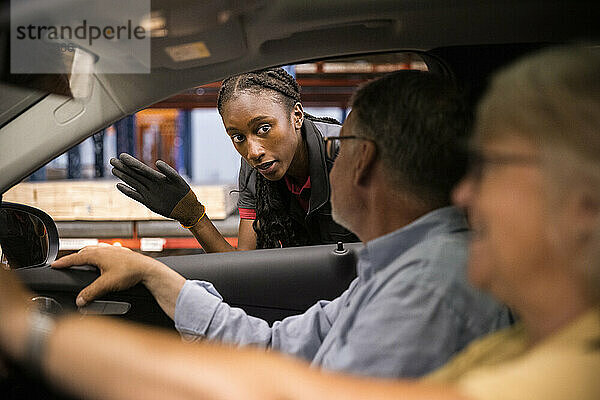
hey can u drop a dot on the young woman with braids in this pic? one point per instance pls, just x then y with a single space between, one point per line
284 173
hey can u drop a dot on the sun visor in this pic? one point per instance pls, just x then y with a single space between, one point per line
75 84
48 83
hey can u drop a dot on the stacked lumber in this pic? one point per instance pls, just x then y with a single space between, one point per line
100 200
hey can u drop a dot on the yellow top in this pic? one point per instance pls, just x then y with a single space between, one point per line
502 366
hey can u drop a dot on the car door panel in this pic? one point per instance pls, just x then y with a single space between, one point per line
270 284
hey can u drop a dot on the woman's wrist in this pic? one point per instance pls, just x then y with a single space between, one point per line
41 326
192 222
188 211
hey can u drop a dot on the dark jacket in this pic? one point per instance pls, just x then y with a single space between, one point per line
319 226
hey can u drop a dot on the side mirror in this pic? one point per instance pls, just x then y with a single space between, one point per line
28 237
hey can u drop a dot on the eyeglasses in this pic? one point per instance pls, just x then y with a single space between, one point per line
478 161
332 146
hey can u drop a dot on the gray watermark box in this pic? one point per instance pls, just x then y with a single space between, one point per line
77 37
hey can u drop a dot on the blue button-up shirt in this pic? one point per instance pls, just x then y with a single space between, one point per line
407 312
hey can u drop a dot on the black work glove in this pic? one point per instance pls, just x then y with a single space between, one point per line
163 191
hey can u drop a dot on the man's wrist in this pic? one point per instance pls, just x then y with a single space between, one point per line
165 285
150 272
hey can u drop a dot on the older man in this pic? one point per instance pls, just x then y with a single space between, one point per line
410 308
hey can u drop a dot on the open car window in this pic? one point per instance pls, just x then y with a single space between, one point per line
78 190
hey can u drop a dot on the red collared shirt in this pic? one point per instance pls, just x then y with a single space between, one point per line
302 193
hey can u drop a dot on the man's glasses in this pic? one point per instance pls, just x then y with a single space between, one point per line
478 161
332 145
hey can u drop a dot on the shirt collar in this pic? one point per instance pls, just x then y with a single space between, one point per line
294 188
379 252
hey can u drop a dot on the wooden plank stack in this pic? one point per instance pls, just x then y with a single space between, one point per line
101 201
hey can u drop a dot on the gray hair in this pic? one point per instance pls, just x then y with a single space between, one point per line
552 99
419 121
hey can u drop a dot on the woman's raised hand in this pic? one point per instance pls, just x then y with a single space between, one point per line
164 191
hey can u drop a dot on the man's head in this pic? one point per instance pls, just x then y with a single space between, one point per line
415 124
419 121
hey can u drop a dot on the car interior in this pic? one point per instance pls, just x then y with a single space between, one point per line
40 119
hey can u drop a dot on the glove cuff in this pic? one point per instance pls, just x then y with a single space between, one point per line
188 211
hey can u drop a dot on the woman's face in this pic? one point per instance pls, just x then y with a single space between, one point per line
507 208
265 134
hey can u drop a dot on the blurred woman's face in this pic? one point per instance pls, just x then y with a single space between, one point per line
507 207
265 134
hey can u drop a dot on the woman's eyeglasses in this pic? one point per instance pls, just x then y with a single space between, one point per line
478 161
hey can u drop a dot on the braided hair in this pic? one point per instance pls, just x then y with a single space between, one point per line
273 225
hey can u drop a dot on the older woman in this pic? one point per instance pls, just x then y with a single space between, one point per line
533 196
